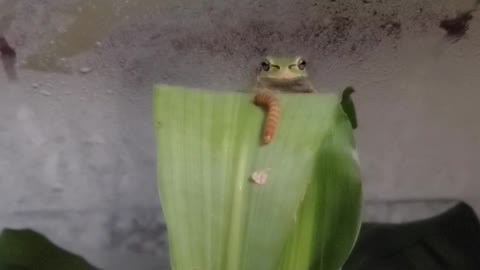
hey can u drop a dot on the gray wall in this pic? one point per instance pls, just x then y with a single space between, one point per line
78 158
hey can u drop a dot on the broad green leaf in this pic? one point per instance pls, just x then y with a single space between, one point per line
29 250
330 214
306 216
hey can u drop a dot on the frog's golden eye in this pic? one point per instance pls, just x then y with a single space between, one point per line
265 66
302 65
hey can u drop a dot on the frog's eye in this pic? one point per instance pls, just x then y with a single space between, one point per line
265 66
302 65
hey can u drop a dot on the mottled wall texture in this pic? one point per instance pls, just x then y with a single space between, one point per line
77 150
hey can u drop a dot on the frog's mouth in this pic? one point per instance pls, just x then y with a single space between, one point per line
285 81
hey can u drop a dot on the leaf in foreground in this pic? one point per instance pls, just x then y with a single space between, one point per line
29 250
307 214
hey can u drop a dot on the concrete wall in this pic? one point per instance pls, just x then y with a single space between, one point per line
78 159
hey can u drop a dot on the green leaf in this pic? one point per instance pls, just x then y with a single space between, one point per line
306 216
29 250
331 210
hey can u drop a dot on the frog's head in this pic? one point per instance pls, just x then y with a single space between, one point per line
282 69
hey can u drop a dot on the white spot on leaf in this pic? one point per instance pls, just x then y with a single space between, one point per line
260 177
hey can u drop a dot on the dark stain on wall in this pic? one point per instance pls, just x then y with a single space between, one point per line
336 30
457 27
5 48
312 28
8 57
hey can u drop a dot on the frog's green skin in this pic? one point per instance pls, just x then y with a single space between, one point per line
283 74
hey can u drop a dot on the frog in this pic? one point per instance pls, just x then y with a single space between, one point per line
276 75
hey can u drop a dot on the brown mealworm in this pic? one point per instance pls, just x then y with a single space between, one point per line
270 103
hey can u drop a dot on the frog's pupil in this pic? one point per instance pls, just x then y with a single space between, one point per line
302 65
265 66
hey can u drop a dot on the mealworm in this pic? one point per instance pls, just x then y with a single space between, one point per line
270 103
